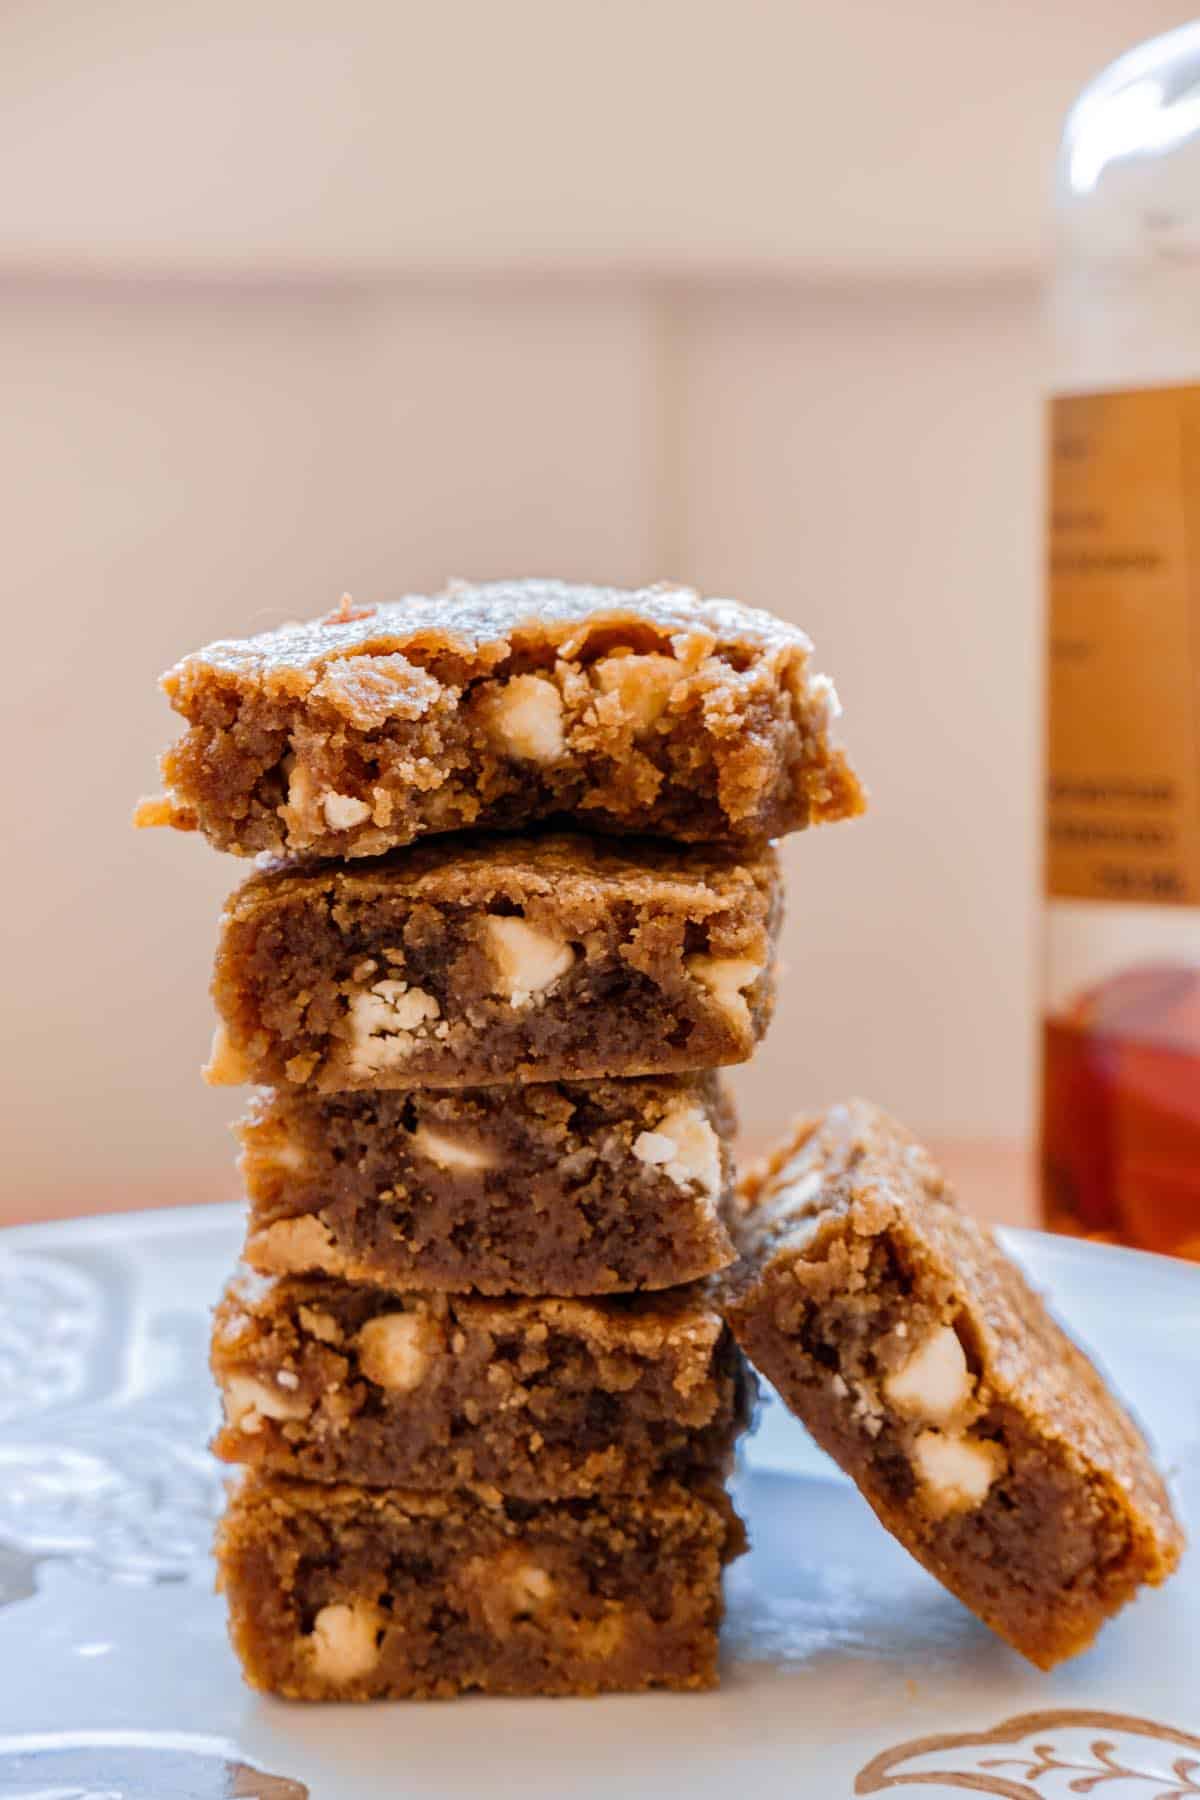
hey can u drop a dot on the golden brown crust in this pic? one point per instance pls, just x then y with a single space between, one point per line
503 705
855 1255
475 628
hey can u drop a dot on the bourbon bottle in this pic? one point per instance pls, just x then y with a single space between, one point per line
1120 1102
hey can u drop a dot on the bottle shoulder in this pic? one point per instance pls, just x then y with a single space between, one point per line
1127 176
1125 301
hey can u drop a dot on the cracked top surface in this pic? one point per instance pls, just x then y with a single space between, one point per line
476 625
500 705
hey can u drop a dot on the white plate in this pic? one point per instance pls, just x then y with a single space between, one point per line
846 1669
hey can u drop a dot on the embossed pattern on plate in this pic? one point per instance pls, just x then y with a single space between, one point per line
104 1417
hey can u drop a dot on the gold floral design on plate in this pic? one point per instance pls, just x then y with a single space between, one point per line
1048 1756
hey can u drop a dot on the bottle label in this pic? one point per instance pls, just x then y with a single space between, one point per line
1123 806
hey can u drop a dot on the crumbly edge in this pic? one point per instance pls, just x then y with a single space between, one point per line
509 963
338 1593
542 1399
858 1166
567 1188
629 728
876 1353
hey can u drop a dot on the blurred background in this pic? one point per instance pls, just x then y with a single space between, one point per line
300 298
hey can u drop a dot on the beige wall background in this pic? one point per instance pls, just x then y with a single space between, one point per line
799 362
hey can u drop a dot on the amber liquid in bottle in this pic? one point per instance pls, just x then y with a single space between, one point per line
1121 1111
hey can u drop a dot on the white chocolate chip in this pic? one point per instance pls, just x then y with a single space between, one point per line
725 977
320 1325
344 1642
865 1408
342 811
654 1148
526 960
685 1146
451 1152
526 715
294 1246
393 1006
301 805
935 1382
529 1587
249 1401
281 1153
510 1586
642 685
956 1472
385 1022
395 1349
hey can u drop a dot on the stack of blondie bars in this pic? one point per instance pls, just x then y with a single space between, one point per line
475 1367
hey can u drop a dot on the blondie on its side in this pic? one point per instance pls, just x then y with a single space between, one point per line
552 1188
500 706
467 962
540 1399
344 1593
921 1360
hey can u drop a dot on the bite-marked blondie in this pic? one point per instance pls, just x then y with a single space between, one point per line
499 706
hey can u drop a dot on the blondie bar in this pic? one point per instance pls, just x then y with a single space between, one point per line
499 706
343 1593
540 1399
554 1188
465 962
921 1360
